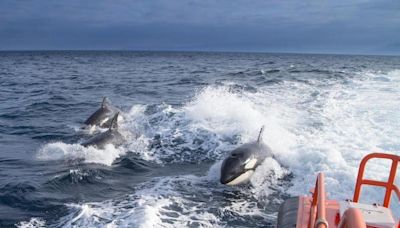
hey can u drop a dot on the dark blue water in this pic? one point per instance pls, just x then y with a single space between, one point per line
186 110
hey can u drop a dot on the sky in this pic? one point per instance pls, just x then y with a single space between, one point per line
298 26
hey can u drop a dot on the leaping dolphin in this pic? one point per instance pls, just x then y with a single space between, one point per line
102 116
241 163
111 136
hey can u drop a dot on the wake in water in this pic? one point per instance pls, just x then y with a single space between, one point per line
312 125
171 202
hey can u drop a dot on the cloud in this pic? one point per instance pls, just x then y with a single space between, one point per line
260 25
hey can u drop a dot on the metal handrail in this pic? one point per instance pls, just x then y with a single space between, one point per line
389 185
318 205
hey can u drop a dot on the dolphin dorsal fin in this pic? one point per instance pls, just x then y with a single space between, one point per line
103 103
114 122
259 139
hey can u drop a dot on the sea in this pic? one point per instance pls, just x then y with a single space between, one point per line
183 112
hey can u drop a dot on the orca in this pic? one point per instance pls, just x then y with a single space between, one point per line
101 117
111 136
241 163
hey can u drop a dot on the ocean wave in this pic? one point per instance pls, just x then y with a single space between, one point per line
204 128
171 202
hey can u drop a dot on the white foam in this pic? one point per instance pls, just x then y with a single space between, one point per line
355 123
214 121
32 223
63 151
163 202
265 180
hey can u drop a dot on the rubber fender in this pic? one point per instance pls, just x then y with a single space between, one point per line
287 215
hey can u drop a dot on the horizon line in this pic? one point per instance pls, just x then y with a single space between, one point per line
200 51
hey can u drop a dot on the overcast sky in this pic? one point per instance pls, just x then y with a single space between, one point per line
319 26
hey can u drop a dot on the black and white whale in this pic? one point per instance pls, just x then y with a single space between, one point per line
102 117
241 163
111 136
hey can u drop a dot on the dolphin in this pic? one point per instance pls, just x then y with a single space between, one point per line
241 163
111 136
102 116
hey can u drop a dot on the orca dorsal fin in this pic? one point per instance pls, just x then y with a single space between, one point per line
114 122
259 139
104 102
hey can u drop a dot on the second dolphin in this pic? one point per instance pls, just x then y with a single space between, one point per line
111 136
